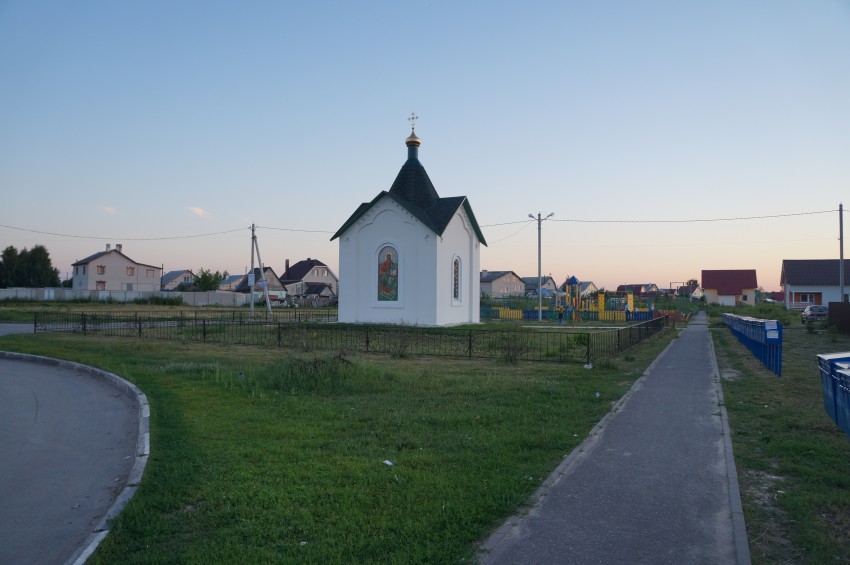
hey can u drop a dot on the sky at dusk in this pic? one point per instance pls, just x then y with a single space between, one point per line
172 127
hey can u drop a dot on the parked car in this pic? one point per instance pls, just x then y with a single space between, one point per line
814 313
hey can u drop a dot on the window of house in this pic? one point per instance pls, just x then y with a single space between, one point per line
101 269
100 285
743 297
129 286
150 273
84 269
131 271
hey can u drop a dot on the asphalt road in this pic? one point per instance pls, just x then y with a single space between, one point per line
652 484
7 328
67 446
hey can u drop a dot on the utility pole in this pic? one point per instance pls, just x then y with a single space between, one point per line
841 251
252 278
540 220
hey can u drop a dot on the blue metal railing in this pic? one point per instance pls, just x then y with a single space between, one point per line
762 337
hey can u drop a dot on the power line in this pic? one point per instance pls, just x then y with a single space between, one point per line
293 229
574 220
686 221
123 238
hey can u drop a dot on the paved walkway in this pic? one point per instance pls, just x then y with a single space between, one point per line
654 482
69 456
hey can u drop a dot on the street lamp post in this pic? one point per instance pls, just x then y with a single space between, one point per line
540 219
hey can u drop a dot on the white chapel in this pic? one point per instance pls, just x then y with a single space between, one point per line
409 256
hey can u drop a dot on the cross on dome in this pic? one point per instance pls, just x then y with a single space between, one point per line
412 119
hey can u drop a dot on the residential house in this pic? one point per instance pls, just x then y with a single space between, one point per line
231 282
298 277
173 279
547 283
730 287
639 289
807 282
114 271
501 284
271 279
693 291
586 288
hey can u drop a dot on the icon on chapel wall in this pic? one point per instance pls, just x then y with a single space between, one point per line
388 274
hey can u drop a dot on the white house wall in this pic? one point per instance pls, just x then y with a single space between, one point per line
387 223
115 277
828 294
458 240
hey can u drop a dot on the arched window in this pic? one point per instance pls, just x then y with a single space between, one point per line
388 274
456 290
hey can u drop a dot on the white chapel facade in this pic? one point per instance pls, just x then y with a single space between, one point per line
410 256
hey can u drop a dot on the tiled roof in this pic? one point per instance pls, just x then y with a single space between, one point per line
413 190
318 288
299 270
171 275
729 282
813 272
491 276
245 287
532 281
91 258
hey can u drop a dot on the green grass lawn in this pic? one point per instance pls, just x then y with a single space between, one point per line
793 461
263 455
286 462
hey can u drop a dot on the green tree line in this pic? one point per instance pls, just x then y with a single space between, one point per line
29 268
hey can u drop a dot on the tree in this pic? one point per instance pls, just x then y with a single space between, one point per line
29 268
207 280
8 267
38 270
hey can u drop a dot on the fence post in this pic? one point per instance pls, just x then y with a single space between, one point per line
35 322
278 334
83 322
367 339
588 347
139 324
470 343
204 329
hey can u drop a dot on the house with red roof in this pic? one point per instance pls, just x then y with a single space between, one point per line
808 282
730 287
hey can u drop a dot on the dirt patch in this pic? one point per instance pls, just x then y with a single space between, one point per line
727 373
770 543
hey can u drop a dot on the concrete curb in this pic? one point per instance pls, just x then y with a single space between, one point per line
142 444
739 525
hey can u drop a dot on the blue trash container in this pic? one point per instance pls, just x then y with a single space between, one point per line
835 401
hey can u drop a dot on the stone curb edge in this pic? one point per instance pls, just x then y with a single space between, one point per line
142 444
739 524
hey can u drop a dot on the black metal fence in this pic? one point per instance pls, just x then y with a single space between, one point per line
303 330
